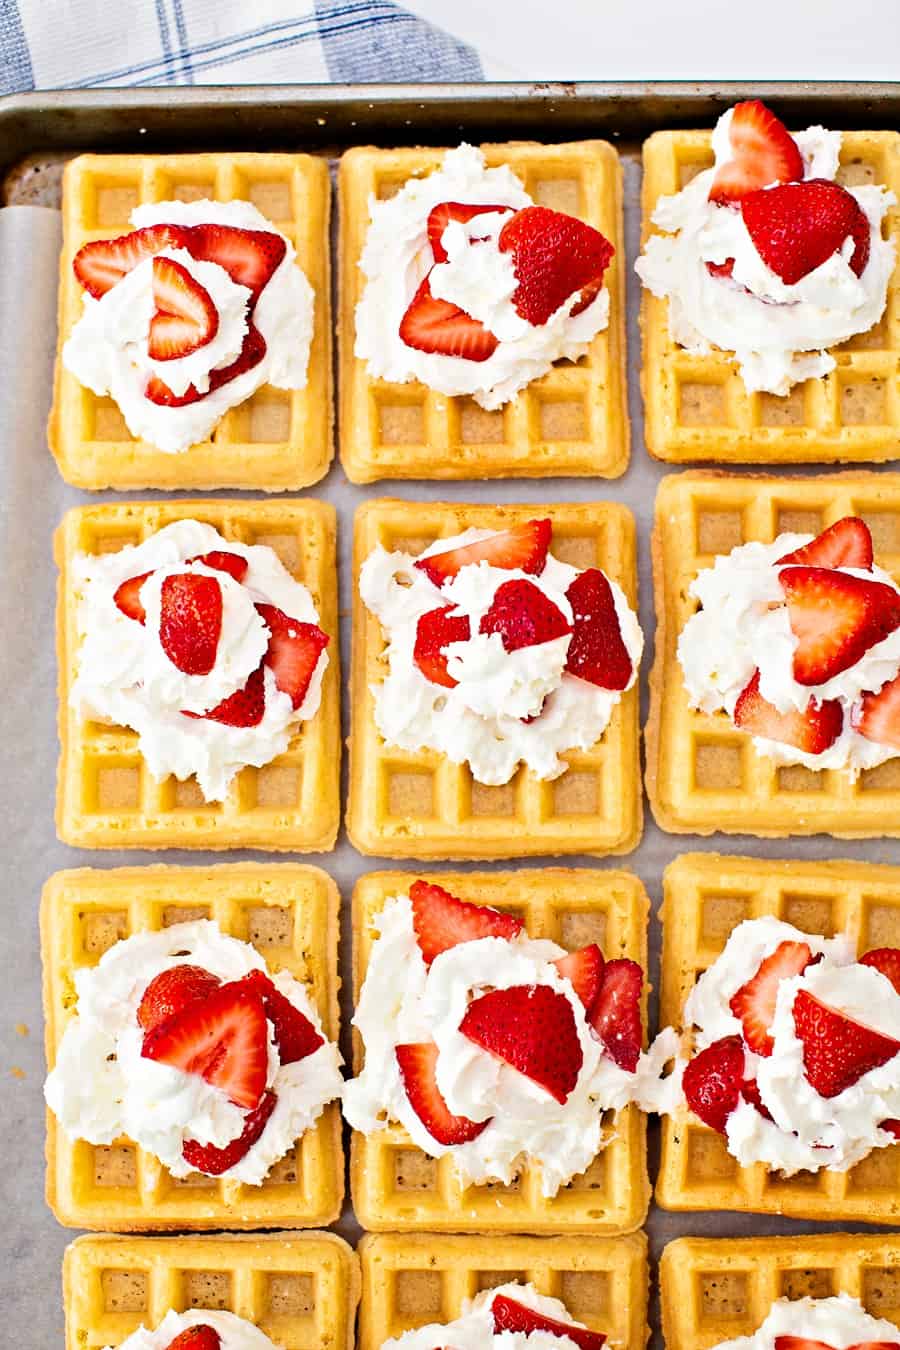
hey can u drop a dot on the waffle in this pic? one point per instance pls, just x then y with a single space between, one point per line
107 799
696 407
572 421
418 804
409 1281
289 912
278 439
703 774
398 1187
301 1289
714 1289
705 897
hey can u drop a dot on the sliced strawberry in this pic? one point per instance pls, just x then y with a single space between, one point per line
198 1337
511 1315
433 325
554 255
295 1035
892 1127
596 653
441 215
835 618
750 1093
223 1039
798 226
294 651
99 265
725 269
190 621
252 352
523 616
878 715
813 730
521 547
846 543
616 1014
185 318
128 597
434 631
248 256
220 561
712 1081
532 1028
244 708
754 1003
441 921
887 961
584 971
417 1064
173 990
836 1050
762 149
214 1161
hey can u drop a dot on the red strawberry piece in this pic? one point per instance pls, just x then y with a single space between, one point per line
433 325
521 547
417 1064
198 1337
295 1035
596 653
434 631
878 715
294 651
554 255
616 1014
128 597
754 1003
812 730
252 352
220 561
511 1315
584 970
173 990
886 960
214 1161
532 1028
244 708
712 1081
441 215
523 616
223 1039
836 1050
185 317
763 152
846 543
804 1343
724 269
750 1093
836 618
892 1127
798 226
100 264
441 921
190 621
248 256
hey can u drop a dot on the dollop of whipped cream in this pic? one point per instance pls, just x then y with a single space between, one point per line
124 677
807 1131
235 1333
476 276
480 721
474 1328
839 1322
777 332
107 348
403 1001
735 633
102 1087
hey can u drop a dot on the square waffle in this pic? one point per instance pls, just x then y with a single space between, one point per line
705 897
696 407
714 1289
419 804
411 1280
106 798
289 912
397 1186
572 421
703 774
301 1289
277 440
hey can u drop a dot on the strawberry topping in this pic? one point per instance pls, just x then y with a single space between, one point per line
104 262
214 1161
616 1014
813 730
173 990
441 215
835 618
878 715
805 1343
294 651
754 1003
128 597
712 1081
584 971
836 1050
248 256
531 1028
295 1035
846 543
198 1337
433 325
223 1039
750 1093
434 631
220 561
252 352
554 256
441 921
417 1064
798 226
190 621
244 708
185 318
892 1127
523 616
887 961
523 547
596 653
511 1315
762 152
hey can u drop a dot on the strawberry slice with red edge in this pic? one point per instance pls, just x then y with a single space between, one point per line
511 1315
220 561
434 325
584 971
887 961
201 1336
877 717
846 543
434 632
521 547
418 1064
713 1080
440 217
835 618
532 1028
185 318
750 1093
813 730
214 1161
441 921
295 1035
523 616
173 990
244 708
128 598
754 1003
892 1127
836 1050
798 226
190 621
597 652
294 651
104 262
253 349
223 1039
248 256
554 256
762 152
616 1014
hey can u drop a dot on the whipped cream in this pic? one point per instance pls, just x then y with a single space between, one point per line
476 276
125 677
474 1328
235 1333
480 720
734 634
839 1322
107 348
403 1001
777 332
102 1087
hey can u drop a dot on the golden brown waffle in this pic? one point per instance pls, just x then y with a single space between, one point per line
106 798
409 1281
289 912
703 774
572 421
714 1289
705 896
278 439
696 407
397 1186
418 804
301 1289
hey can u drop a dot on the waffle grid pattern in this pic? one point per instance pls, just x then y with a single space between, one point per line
572 421
106 796
278 439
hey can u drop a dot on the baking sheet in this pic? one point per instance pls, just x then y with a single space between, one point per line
32 498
